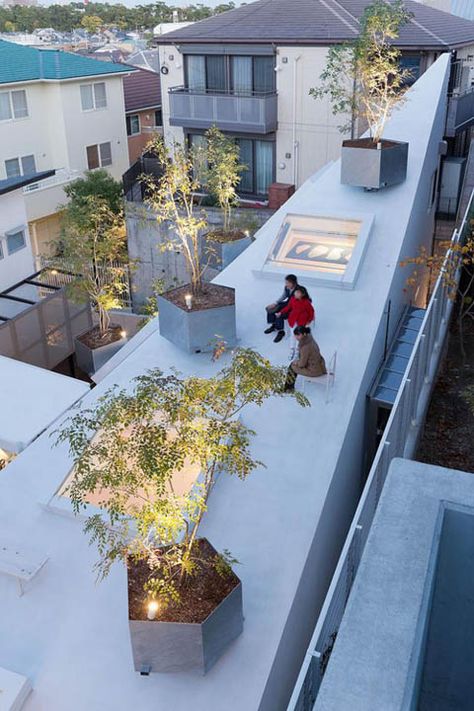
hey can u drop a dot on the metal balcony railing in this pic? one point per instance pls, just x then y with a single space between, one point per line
399 440
254 112
460 114
63 175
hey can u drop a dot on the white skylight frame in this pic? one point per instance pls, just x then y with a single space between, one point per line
347 279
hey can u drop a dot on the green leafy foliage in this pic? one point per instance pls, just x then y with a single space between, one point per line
64 18
223 173
132 450
363 79
172 199
93 242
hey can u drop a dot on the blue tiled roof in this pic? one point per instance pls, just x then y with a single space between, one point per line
18 63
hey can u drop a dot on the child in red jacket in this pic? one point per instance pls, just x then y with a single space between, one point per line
300 310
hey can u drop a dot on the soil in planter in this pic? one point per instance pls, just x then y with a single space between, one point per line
199 594
368 143
213 295
227 236
93 338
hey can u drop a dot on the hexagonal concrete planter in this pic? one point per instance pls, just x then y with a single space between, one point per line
196 330
223 253
366 166
89 360
160 646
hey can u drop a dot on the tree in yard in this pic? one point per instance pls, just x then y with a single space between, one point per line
447 261
363 79
172 198
146 440
92 244
91 23
223 172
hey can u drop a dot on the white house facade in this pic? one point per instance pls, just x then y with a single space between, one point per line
58 111
250 70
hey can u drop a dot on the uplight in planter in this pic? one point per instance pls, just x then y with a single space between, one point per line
323 249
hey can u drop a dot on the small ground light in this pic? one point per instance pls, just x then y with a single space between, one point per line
54 271
246 233
152 609
123 333
189 300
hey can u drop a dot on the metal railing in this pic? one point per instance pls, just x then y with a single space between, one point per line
63 175
60 273
399 440
252 112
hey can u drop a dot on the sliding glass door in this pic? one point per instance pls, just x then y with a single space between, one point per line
239 75
258 157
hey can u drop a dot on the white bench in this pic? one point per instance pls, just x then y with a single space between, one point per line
19 565
14 690
325 380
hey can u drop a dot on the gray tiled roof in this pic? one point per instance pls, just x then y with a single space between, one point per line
141 90
320 22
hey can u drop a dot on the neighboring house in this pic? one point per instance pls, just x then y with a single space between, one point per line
142 109
249 71
16 255
146 59
58 111
463 8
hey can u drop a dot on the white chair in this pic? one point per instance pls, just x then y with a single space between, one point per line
327 380
19 565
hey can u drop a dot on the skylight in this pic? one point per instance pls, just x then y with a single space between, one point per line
323 249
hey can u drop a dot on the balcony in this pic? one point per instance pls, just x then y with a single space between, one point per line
252 113
44 197
460 115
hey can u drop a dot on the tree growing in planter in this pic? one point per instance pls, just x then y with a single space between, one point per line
173 198
363 79
223 172
92 246
135 466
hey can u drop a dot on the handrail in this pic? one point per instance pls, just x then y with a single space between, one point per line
218 92
404 419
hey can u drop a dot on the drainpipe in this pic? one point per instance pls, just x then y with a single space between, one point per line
295 142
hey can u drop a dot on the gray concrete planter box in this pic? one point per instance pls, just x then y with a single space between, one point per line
373 168
177 646
196 331
90 360
223 253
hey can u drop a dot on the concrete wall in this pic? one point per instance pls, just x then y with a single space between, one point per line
17 266
144 237
346 484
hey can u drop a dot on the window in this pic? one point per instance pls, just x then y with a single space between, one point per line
15 241
240 75
93 96
1 250
99 156
133 124
256 155
14 167
13 105
158 117
412 64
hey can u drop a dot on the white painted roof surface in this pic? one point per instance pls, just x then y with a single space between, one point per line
31 399
69 635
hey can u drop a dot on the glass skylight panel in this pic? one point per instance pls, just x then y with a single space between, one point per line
320 248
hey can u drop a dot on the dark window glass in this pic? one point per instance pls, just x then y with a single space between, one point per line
263 74
133 124
92 157
413 65
158 117
215 73
246 158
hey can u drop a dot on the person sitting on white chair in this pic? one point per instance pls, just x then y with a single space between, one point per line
310 362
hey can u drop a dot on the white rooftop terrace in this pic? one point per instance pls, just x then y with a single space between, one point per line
31 399
285 525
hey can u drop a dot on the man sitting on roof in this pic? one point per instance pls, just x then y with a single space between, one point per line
277 321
